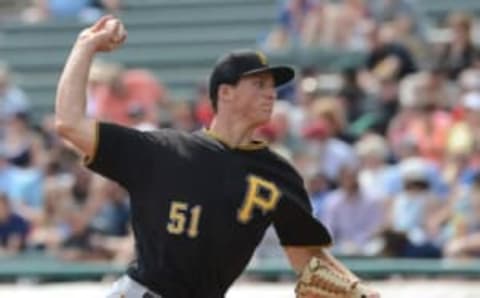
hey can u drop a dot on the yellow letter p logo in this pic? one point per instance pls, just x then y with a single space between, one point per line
265 200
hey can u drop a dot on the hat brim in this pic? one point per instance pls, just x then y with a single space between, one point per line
281 74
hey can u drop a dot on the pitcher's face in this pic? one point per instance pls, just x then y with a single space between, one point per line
254 98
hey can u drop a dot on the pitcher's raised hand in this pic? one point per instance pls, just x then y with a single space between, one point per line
106 35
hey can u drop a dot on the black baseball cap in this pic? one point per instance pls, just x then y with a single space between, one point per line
231 67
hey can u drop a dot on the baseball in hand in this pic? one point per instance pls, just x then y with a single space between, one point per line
107 34
118 32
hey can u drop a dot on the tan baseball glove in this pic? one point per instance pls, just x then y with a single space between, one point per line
321 279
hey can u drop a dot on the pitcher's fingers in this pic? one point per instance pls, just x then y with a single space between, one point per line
122 35
118 33
113 26
101 23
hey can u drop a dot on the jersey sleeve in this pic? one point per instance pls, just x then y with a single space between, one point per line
125 155
293 219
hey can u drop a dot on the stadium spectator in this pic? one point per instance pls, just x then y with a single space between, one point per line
429 87
293 17
375 174
413 208
83 10
354 98
463 227
424 98
318 189
469 79
102 77
79 243
353 217
305 93
138 119
344 26
462 137
330 110
385 11
115 91
24 188
458 54
67 186
13 100
324 152
270 133
82 181
457 169
386 58
107 6
12 10
278 132
183 117
203 108
23 147
13 229
108 208
51 230
407 33
429 127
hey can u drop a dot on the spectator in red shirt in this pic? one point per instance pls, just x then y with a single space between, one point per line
130 88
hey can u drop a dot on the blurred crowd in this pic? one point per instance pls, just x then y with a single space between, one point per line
389 149
36 11
346 24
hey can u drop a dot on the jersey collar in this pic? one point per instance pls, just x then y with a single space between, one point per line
254 145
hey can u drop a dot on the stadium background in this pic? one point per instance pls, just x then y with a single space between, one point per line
386 108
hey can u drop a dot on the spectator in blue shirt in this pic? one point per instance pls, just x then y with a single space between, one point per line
24 188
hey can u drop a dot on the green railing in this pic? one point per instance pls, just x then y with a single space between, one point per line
44 267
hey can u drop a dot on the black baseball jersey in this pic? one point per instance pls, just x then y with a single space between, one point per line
199 208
